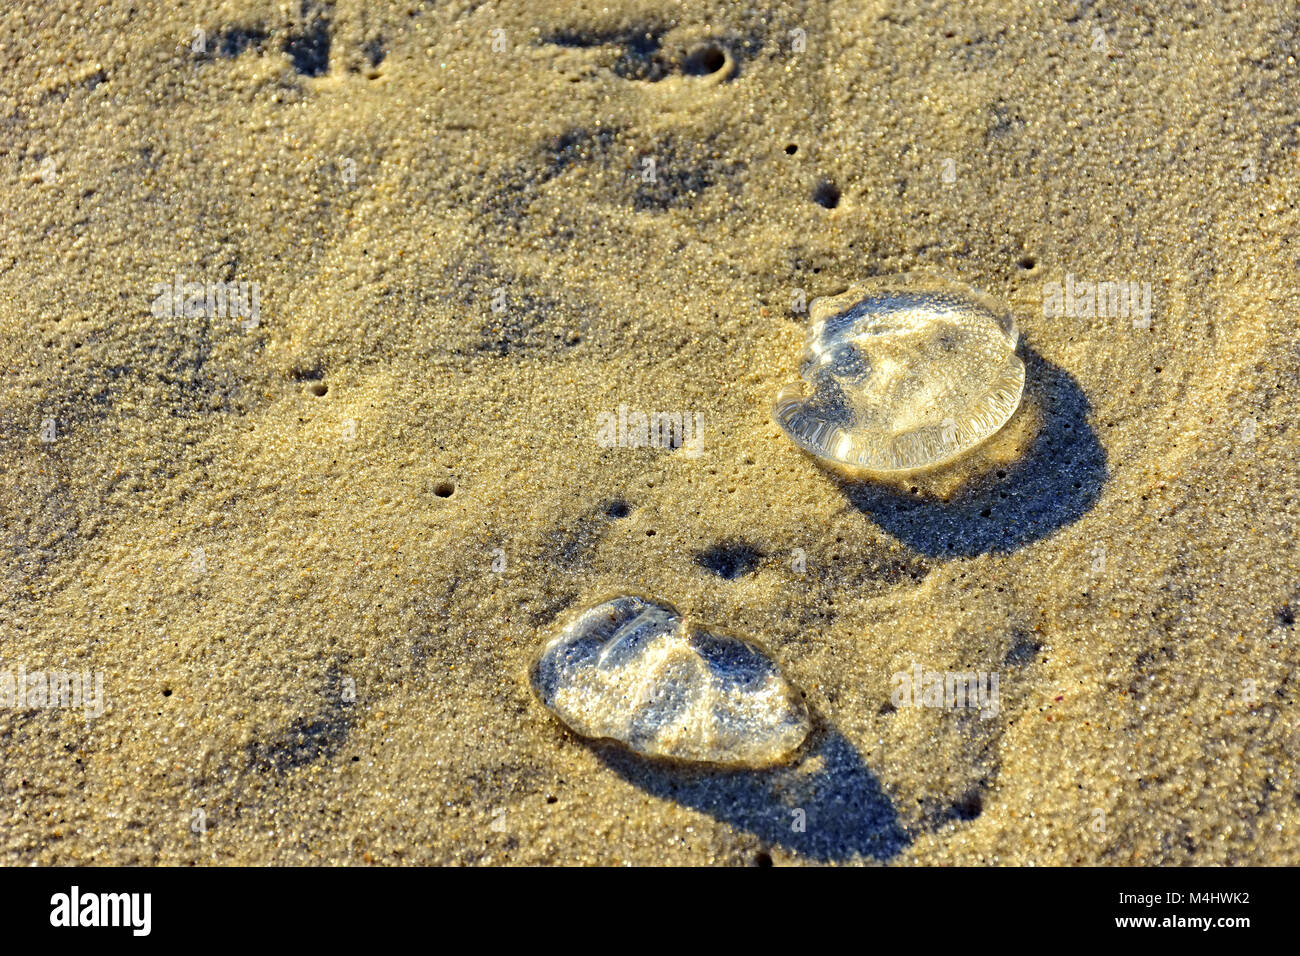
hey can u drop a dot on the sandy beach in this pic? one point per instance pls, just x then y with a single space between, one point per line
313 318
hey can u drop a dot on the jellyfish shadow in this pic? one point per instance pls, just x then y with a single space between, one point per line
831 812
1057 481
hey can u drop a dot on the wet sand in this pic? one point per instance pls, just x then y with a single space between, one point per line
312 552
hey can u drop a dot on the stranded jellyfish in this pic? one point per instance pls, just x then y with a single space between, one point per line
903 373
634 670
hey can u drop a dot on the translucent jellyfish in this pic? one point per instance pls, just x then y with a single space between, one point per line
903 373
632 669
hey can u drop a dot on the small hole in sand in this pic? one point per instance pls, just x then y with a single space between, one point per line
318 388
826 195
969 806
791 149
730 559
1027 262
702 62
617 508
444 489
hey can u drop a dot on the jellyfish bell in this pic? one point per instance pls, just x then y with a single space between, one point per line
902 374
